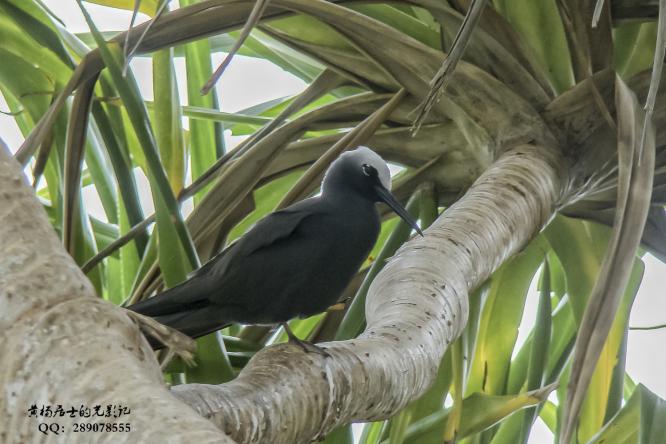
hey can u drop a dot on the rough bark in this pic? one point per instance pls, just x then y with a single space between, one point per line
60 344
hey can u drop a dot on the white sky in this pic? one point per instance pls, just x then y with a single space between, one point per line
249 81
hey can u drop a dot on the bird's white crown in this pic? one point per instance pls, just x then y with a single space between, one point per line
364 155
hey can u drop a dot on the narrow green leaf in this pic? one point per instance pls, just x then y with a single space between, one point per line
500 318
453 427
198 113
147 268
549 415
372 433
122 168
148 7
629 386
561 343
82 243
634 47
167 119
252 20
283 56
399 426
572 244
77 131
479 412
641 420
114 290
203 135
179 257
31 16
537 370
557 277
495 408
541 26
340 435
616 391
99 172
103 230
130 258
425 32
212 362
634 190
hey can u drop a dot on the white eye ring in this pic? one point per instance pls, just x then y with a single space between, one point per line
367 169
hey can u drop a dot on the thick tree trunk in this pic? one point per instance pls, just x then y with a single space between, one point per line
61 345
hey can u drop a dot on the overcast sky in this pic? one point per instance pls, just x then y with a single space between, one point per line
248 81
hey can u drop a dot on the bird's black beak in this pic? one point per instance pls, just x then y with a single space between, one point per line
388 198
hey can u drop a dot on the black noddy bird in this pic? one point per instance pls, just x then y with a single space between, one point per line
294 262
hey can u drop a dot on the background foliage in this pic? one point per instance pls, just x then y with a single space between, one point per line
355 58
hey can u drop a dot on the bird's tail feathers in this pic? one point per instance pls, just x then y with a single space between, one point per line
177 299
185 308
194 323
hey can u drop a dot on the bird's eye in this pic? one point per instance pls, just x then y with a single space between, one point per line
369 170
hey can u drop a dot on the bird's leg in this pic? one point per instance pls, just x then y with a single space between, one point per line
308 347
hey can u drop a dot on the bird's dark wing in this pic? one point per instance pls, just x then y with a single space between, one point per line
185 296
204 284
205 268
275 227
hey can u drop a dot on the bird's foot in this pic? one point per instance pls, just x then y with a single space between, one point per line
307 347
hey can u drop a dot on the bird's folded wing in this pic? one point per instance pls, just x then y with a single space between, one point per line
268 230
225 269
273 228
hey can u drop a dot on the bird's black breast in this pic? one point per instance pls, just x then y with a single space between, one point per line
304 272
